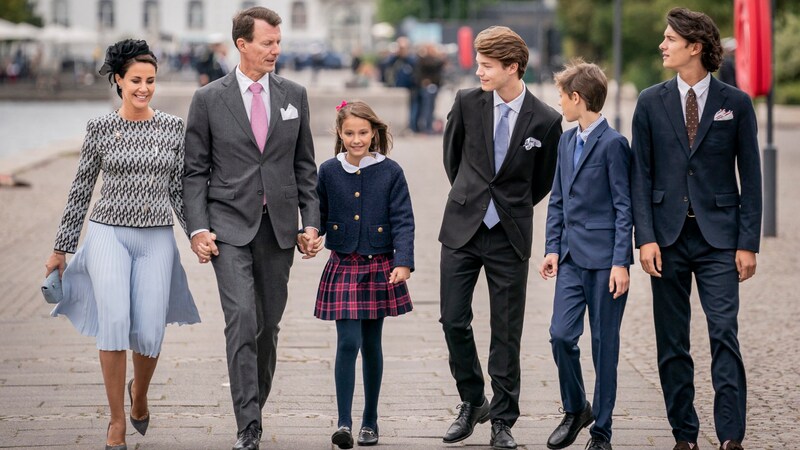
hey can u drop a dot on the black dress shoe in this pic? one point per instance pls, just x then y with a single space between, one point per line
248 439
598 443
465 422
567 431
501 436
732 445
367 436
342 438
683 445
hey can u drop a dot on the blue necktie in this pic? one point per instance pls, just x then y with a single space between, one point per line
500 149
578 151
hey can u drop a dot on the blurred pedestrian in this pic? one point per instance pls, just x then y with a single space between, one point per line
428 78
213 64
727 71
399 72
126 282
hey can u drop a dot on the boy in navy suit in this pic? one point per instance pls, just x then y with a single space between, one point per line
696 190
589 247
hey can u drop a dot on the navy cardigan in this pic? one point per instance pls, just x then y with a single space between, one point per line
368 212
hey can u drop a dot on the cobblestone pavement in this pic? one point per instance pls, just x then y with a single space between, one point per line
51 392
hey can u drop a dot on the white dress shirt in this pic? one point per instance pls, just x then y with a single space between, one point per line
247 94
700 91
515 106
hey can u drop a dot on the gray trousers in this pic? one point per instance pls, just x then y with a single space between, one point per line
252 281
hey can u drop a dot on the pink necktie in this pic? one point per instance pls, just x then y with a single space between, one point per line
258 116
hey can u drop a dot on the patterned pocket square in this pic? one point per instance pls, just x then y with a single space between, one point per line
723 114
531 142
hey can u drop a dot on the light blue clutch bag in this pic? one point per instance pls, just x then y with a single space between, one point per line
51 288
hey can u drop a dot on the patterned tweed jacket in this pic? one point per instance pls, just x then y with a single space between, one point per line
142 164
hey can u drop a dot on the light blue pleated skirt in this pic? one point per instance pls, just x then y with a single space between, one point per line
124 285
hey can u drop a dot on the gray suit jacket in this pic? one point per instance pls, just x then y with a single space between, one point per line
226 176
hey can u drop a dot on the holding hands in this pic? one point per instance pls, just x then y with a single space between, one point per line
204 247
309 242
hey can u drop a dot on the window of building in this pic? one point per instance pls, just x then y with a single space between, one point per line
150 18
299 16
195 19
61 12
248 4
105 12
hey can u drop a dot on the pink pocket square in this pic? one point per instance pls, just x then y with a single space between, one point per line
723 114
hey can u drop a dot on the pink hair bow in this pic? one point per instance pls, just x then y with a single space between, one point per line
339 107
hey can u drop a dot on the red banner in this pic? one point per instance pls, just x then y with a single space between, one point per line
752 21
465 56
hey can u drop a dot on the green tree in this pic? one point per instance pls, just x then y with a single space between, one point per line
19 11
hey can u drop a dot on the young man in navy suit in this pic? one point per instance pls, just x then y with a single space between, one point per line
590 247
499 155
691 136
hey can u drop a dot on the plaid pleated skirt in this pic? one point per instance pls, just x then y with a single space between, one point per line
357 287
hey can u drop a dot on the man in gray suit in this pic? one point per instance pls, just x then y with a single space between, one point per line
249 167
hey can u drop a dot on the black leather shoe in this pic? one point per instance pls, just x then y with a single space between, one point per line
598 443
465 422
567 431
367 436
501 436
342 438
732 445
683 445
248 439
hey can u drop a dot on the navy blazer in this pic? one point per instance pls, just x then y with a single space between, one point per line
368 212
589 215
524 178
669 176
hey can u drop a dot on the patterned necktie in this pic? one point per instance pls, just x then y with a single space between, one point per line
258 116
578 151
692 116
500 149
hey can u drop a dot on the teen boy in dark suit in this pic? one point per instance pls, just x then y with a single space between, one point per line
499 155
692 135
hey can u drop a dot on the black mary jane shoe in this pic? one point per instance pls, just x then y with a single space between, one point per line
367 436
342 438
139 424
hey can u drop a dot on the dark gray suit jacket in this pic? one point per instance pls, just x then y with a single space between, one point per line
226 175
525 177
668 175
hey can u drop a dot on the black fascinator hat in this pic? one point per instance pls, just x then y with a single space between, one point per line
121 55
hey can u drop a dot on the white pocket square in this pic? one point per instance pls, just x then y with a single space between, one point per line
531 142
289 113
723 114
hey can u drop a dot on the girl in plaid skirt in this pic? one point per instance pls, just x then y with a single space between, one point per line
368 225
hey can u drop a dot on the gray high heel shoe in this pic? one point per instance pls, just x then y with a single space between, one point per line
139 424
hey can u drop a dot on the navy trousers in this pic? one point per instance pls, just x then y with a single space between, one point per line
579 290
718 288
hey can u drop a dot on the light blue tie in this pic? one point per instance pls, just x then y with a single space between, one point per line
500 149
578 151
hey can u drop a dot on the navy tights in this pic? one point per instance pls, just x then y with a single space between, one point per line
355 335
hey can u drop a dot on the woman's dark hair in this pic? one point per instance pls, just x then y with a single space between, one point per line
381 142
698 28
120 56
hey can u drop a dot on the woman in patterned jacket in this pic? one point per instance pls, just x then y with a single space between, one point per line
126 281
